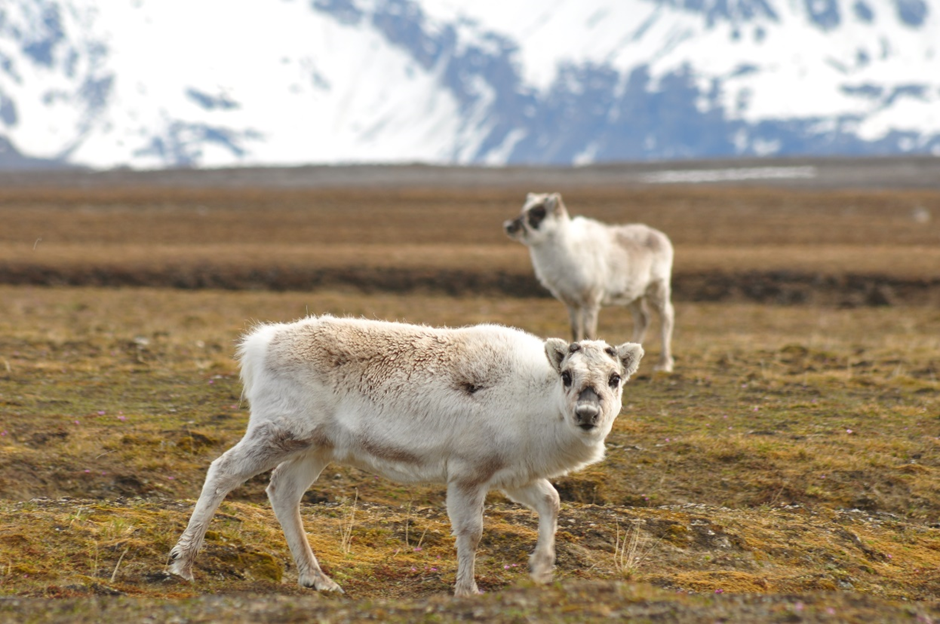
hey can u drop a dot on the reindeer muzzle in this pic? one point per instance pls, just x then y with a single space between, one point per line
588 409
513 227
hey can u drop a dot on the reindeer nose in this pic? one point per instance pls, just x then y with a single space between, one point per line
587 416
587 409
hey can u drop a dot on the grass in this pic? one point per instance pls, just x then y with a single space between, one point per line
794 450
348 524
143 231
787 469
630 551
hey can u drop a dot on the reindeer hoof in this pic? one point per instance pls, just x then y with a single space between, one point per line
321 583
541 569
180 566
185 573
663 367
464 592
542 576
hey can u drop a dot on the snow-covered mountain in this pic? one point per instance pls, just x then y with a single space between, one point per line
167 83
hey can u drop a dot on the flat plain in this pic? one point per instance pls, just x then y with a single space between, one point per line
787 471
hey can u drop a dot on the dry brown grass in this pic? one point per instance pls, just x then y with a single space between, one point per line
690 215
738 473
794 454
713 229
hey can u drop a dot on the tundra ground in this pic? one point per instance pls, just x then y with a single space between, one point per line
787 471
794 453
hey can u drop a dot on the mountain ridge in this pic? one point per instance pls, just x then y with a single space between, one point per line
438 81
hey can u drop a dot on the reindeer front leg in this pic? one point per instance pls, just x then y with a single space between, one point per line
541 497
577 324
465 509
589 320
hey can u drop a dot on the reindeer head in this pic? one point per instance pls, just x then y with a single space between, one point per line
541 214
592 375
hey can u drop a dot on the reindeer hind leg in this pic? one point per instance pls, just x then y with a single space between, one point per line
289 481
659 298
260 450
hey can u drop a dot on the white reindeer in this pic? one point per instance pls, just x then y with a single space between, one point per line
586 264
476 408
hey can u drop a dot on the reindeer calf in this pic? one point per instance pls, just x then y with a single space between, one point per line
586 264
475 408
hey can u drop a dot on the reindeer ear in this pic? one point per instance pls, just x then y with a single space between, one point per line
556 349
551 202
630 354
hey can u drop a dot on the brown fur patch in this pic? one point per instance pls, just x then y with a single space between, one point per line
277 442
336 358
387 453
485 471
288 443
469 387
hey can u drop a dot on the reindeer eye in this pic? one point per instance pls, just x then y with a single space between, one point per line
614 380
566 379
536 216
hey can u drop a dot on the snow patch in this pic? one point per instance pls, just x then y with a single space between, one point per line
742 174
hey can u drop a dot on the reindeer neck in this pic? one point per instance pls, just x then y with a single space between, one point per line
568 451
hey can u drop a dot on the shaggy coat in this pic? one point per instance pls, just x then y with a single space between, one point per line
586 264
474 408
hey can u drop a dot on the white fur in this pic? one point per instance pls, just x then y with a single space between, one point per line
475 408
586 264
